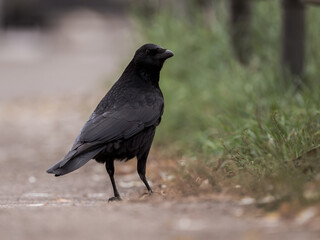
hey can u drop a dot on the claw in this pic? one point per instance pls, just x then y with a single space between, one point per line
146 195
114 199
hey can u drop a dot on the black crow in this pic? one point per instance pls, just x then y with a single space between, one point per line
123 124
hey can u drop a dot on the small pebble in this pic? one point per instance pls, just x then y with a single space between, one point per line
32 179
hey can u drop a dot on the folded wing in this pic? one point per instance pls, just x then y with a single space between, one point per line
104 128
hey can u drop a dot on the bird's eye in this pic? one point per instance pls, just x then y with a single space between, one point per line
151 52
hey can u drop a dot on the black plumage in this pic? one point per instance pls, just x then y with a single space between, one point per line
123 124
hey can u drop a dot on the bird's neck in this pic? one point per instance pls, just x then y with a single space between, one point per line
148 75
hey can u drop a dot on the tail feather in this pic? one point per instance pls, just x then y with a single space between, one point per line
69 164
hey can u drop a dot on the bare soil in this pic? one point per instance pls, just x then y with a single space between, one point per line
46 96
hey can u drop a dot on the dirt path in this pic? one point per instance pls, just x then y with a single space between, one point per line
46 95
34 204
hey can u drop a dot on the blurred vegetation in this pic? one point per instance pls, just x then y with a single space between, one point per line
241 128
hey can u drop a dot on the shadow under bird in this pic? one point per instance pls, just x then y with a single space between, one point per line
124 123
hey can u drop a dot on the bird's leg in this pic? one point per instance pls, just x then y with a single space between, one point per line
110 170
141 168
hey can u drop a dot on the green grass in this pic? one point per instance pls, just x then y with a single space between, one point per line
238 125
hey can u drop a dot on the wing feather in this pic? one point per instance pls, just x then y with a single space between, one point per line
123 123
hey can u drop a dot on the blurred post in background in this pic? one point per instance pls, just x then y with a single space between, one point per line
240 12
293 39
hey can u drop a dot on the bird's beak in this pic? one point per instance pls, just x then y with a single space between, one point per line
166 54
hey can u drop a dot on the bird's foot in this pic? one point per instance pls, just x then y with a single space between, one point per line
115 199
146 194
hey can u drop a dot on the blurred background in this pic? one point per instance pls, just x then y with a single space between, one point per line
59 45
241 100
242 97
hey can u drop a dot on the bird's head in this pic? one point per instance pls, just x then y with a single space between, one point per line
151 57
